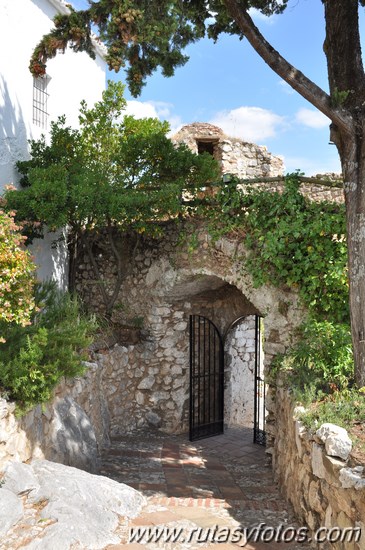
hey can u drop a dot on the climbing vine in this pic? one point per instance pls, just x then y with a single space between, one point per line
300 243
291 241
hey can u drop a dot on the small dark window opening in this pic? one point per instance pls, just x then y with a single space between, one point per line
206 147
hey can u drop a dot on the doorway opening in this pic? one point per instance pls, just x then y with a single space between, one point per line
246 393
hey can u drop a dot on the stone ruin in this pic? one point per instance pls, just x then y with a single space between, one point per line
235 156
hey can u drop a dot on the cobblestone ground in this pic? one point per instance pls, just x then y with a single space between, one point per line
208 489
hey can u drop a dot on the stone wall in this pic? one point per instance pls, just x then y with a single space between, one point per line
234 155
322 193
70 429
146 382
324 489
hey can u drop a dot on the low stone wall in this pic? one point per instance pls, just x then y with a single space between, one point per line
325 491
69 430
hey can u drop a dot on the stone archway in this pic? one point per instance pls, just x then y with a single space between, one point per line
145 382
222 303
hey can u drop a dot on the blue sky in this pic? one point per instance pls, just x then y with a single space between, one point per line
228 84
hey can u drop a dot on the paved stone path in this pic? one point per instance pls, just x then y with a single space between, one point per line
217 483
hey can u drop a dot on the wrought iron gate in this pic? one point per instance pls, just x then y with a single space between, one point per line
259 433
206 378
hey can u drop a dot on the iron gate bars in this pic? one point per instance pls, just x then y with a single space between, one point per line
206 379
259 434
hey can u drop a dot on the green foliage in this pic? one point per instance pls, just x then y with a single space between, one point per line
35 357
113 171
319 370
298 243
321 361
141 34
16 274
292 242
112 175
340 408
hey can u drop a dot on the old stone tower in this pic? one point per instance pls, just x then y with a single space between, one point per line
235 156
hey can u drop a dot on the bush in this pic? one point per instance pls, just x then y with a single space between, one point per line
16 274
34 358
319 371
320 363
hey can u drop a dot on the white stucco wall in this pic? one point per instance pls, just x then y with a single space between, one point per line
240 374
73 77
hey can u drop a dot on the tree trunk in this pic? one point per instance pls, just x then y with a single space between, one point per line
345 106
353 166
347 87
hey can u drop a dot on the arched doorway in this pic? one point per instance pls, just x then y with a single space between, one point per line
230 364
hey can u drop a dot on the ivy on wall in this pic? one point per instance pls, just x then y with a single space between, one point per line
291 241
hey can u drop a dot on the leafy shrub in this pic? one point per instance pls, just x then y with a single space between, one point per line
35 357
113 174
16 274
321 362
319 371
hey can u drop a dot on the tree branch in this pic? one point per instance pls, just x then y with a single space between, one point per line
119 262
102 287
295 78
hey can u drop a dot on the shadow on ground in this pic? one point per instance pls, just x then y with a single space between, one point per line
223 481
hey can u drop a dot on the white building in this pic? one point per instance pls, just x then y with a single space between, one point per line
27 105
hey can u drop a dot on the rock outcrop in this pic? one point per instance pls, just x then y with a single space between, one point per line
62 507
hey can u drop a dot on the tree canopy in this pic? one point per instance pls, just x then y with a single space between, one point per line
142 35
114 173
113 170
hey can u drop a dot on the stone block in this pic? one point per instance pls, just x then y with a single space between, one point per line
314 497
154 419
352 477
181 326
146 383
332 466
140 398
317 461
336 440
72 439
328 516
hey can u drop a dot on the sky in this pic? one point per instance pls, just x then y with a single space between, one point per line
229 85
